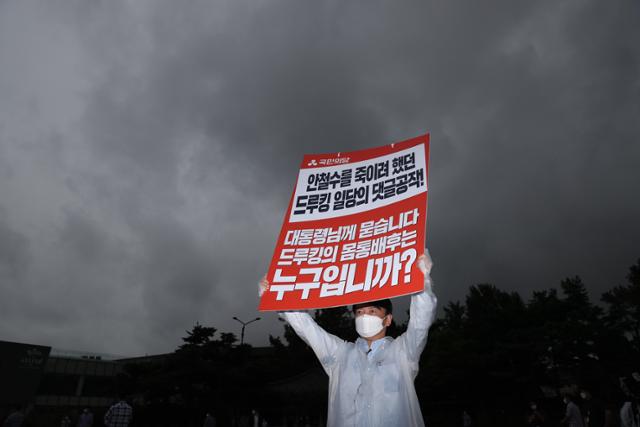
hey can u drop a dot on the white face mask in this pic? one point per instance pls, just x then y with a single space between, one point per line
368 325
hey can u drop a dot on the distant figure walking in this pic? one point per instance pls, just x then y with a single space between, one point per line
118 415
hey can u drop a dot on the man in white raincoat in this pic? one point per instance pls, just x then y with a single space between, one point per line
371 380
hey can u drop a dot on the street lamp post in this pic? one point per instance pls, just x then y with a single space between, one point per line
244 324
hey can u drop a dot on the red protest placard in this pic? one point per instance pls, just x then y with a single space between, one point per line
354 229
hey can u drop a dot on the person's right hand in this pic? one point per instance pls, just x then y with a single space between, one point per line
263 285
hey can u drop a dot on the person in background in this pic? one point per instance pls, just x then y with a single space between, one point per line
65 422
86 418
209 420
119 414
572 416
630 411
534 416
592 410
466 419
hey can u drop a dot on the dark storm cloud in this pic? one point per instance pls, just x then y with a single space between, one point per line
14 255
162 169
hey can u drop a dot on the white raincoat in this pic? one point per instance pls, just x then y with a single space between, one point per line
377 390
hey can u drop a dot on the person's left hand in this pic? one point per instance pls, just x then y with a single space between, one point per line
425 263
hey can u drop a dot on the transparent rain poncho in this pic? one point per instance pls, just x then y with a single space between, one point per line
375 389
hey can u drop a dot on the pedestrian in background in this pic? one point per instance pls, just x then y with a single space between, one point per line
119 414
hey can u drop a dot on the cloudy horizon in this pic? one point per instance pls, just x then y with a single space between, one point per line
148 149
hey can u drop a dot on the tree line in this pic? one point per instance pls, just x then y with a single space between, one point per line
492 353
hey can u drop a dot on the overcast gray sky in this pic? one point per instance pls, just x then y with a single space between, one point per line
148 149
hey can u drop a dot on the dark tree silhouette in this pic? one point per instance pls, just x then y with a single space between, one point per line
455 314
624 307
199 336
227 339
491 353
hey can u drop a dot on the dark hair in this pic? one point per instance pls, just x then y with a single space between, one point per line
383 303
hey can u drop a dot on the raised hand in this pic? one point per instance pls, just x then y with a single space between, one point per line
425 263
263 285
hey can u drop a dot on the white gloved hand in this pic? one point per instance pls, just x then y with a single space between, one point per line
263 285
